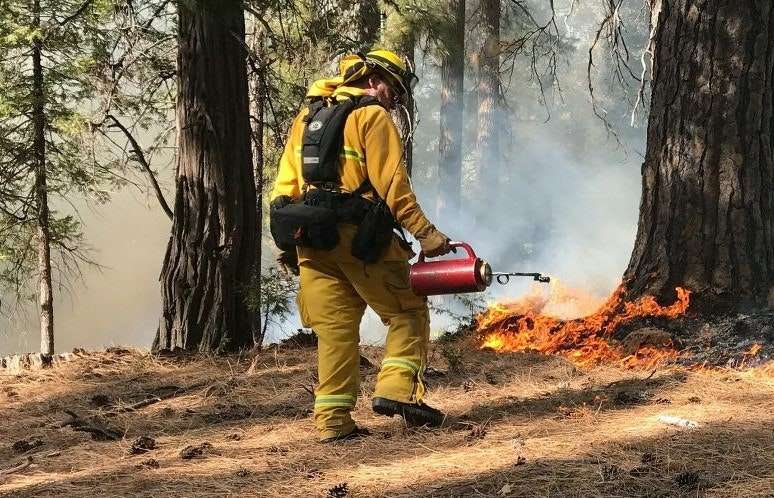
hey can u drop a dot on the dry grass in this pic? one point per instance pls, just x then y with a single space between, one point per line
520 425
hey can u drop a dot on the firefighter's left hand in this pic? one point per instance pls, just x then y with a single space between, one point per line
288 261
435 243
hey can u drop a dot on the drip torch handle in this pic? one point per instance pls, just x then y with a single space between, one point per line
471 253
453 245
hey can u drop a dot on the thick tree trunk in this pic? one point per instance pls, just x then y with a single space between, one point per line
450 137
489 120
45 297
707 209
211 253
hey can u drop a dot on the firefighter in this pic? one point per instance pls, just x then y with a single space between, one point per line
357 267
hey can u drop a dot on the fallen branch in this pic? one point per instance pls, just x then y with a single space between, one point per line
17 468
140 404
155 399
98 431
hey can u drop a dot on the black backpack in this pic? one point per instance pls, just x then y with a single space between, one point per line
311 221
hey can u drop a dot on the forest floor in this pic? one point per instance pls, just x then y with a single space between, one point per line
520 424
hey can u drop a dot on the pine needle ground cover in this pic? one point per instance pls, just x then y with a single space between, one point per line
128 423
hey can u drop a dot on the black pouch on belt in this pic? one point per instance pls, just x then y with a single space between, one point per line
304 225
374 233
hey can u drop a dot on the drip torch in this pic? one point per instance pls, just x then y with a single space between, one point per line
456 276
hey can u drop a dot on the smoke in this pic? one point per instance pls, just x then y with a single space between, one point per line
566 206
566 203
116 304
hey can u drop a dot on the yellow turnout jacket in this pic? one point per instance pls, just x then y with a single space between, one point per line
372 150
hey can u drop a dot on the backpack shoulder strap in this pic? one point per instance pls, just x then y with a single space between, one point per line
365 101
313 107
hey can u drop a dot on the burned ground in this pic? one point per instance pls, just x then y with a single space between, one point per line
520 424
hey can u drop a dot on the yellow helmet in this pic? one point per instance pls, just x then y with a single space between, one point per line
384 62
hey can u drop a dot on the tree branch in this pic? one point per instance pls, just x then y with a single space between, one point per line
140 158
17 468
77 13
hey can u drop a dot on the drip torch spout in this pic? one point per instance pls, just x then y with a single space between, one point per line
503 277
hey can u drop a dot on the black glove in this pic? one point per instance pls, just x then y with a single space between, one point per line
288 261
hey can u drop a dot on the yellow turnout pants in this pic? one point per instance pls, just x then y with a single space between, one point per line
335 290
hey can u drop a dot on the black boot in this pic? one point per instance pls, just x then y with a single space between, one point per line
413 413
356 433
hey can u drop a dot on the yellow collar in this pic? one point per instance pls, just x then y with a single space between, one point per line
344 92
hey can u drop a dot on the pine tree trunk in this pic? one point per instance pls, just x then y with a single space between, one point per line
211 254
707 210
488 139
46 298
259 103
450 137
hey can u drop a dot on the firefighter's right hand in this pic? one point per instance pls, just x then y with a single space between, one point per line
288 261
435 243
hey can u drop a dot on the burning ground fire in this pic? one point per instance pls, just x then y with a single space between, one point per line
542 323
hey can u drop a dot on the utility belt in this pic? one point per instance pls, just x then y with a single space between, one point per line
313 221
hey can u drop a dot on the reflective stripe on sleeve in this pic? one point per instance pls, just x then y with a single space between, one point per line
353 154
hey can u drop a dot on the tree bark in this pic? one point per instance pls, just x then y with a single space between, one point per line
450 137
211 253
259 102
45 297
489 119
708 178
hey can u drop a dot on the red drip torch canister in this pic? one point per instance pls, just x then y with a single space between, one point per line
450 276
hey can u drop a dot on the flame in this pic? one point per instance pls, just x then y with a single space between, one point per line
543 323
750 357
754 350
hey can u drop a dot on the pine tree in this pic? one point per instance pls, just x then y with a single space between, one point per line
361 22
49 49
399 34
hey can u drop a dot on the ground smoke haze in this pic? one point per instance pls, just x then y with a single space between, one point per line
119 304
